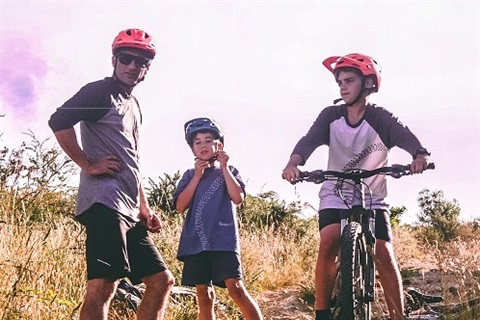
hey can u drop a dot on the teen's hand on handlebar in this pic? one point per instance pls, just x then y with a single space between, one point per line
290 173
419 164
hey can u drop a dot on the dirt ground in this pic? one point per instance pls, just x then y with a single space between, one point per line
287 303
284 304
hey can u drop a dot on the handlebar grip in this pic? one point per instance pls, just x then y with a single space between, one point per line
431 165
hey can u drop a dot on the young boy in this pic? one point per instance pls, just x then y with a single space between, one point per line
209 243
359 135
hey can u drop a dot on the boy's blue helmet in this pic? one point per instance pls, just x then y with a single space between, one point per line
202 124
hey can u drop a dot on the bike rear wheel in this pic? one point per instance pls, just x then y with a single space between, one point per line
354 303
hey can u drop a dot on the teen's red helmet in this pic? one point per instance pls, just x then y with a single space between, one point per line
365 64
134 38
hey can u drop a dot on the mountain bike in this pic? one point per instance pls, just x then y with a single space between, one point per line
354 289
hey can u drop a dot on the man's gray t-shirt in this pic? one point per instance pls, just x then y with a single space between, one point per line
211 222
109 125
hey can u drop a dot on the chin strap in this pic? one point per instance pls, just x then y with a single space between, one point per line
337 100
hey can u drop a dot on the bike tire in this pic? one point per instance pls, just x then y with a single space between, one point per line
354 304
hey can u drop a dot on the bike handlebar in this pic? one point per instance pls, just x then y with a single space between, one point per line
319 176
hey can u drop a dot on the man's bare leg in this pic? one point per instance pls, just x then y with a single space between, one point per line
155 298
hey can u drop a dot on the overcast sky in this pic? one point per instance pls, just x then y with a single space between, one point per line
255 66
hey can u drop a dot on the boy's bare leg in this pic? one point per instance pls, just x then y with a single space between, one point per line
242 298
326 269
157 293
206 302
390 278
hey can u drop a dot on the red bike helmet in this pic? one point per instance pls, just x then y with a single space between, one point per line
134 38
365 64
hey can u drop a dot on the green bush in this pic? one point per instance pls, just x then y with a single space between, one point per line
438 217
35 181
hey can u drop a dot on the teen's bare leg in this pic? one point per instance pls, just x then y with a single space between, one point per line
100 293
155 298
246 304
326 268
390 278
206 302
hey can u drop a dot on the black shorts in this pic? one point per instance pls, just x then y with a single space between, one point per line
383 228
117 247
211 267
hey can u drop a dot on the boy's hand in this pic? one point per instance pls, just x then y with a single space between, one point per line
223 158
419 164
200 166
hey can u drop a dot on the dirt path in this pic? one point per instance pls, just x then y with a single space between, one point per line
284 304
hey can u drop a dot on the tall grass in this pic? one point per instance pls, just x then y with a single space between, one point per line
42 264
42 274
42 268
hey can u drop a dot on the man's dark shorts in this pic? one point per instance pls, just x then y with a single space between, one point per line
117 247
383 228
211 267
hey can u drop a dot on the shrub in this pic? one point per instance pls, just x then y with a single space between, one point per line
438 216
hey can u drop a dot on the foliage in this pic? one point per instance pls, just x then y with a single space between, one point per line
396 214
267 211
35 180
43 265
438 216
160 194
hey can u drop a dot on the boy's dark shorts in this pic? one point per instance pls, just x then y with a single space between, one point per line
211 267
383 228
117 247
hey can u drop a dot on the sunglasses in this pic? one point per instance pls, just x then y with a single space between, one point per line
126 59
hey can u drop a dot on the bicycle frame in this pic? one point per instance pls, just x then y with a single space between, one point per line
364 292
358 233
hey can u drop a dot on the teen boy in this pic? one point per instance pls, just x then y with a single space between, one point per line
359 135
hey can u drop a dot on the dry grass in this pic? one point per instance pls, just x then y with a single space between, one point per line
42 270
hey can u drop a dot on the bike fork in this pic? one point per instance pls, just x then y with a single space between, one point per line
370 243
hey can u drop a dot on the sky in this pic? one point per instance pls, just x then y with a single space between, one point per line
256 67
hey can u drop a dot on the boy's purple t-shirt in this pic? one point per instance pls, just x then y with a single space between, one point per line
210 223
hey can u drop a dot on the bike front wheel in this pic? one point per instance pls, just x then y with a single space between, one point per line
354 304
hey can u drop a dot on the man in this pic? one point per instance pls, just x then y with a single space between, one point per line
111 202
